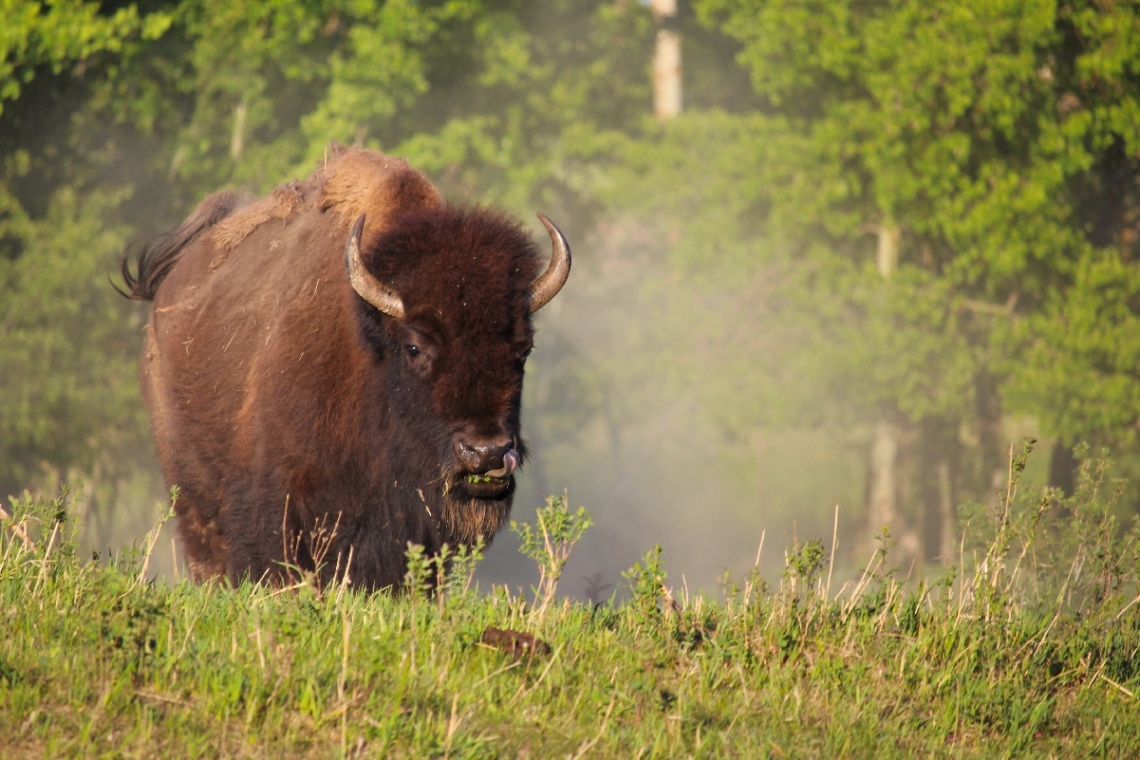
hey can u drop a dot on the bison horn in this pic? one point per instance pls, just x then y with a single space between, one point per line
370 289
548 285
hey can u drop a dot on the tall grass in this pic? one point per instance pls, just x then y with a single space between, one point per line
1028 647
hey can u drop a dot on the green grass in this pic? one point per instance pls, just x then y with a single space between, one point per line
1032 652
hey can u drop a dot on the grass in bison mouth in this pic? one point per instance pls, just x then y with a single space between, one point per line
483 486
487 479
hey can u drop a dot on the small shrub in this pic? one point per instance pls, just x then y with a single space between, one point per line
550 544
647 584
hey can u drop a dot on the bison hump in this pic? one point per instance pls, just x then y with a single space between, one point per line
368 182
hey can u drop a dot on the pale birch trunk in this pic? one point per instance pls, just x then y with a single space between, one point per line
666 62
883 487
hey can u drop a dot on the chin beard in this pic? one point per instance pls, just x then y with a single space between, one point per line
469 518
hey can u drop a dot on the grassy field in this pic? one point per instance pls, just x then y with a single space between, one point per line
1029 650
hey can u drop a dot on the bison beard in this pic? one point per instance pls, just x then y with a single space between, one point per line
336 370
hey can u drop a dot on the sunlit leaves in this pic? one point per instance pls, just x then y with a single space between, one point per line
61 34
999 137
1082 353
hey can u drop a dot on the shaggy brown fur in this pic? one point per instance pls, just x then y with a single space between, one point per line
305 428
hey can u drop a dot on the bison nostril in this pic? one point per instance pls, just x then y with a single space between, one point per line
493 458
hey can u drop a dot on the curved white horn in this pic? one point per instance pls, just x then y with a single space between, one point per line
548 285
370 289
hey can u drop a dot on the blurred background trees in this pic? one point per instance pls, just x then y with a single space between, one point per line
880 241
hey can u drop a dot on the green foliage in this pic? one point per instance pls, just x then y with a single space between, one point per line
550 544
646 581
993 142
460 569
68 394
993 582
61 34
805 563
1068 551
448 573
418 578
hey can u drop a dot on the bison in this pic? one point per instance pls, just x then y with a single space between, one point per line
336 370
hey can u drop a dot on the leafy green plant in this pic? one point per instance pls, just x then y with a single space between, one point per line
1045 545
459 568
1109 551
550 543
447 574
994 580
647 585
419 578
804 564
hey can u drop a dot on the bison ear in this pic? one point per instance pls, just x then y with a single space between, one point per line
368 287
547 286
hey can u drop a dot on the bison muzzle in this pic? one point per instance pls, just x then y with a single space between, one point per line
336 370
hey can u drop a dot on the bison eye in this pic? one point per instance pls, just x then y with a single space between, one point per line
412 350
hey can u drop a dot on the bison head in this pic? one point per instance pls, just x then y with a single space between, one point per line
447 298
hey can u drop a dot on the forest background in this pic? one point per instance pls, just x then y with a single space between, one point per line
881 242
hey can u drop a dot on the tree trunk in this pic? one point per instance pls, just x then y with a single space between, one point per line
237 138
993 451
888 251
882 486
937 489
1063 468
666 61
947 512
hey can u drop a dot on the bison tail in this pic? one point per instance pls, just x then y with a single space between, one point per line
158 255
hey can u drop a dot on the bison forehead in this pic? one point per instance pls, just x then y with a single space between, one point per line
457 263
487 319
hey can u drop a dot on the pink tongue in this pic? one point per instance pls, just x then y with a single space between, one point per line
510 462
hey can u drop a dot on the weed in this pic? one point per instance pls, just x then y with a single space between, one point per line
804 564
647 585
419 578
550 544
